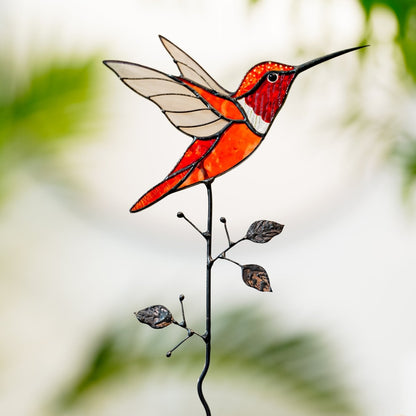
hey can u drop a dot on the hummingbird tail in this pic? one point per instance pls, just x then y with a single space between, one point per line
169 185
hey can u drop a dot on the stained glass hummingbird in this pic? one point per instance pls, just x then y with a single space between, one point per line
225 127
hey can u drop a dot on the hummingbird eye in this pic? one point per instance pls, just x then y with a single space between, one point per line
272 77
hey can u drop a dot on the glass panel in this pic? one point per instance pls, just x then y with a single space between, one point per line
206 130
196 151
158 192
190 73
192 118
130 70
236 143
149 87
181 57
178 102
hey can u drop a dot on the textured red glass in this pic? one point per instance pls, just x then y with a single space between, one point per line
269 97
158 192
197 150
256 73
235 144
223 105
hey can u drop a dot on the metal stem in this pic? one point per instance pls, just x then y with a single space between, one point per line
182 215
232 261
222 254
207 335
190 334
224 221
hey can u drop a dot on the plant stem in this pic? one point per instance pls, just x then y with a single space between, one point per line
207 335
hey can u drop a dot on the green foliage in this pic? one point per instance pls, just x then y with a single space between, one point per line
405 14
42 109
404 11
404 154
299 363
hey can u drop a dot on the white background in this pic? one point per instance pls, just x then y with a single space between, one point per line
344 264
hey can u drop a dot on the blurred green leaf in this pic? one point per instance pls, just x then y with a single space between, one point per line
404 154
402 146
43 108
247 344
405 14
51 104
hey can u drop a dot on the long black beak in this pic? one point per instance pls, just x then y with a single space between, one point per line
317 61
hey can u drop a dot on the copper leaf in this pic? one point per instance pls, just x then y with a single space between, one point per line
255 276
263 231
156 316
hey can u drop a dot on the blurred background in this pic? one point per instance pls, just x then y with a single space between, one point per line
338 168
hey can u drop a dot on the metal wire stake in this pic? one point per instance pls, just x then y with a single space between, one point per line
207 335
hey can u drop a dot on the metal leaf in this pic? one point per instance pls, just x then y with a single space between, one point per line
255 276
156 316
263 231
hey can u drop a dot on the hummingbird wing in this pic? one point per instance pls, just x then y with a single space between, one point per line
195 104
190 108
190 69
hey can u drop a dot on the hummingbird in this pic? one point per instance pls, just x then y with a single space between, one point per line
225 127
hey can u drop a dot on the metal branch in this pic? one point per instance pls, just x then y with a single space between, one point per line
224 221
232 261
222 254
182 215
190 333
184 326
181 298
